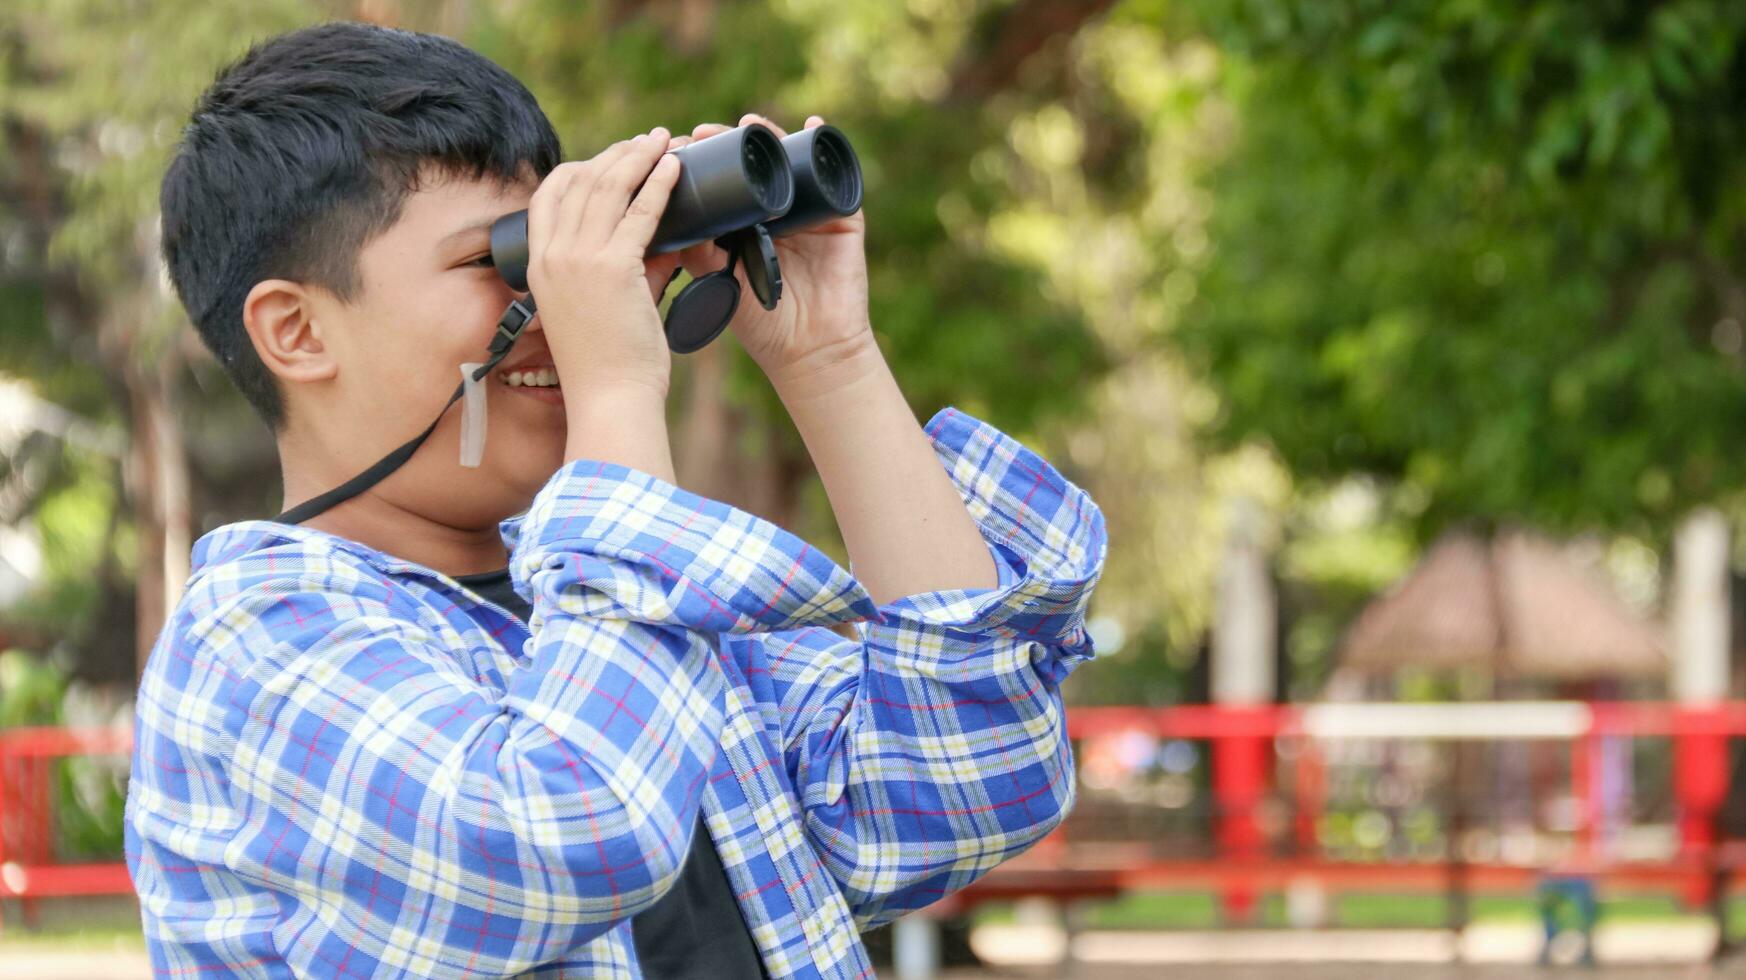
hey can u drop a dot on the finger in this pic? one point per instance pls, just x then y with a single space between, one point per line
568 213
813 122
573 209
637 226
706 130
542 209
752 117
613 191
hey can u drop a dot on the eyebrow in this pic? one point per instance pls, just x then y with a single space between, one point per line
467 231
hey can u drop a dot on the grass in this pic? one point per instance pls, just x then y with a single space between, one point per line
17 938
1200 910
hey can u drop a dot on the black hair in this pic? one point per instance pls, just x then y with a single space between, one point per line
306 148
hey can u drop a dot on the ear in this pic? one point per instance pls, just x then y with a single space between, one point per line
280 317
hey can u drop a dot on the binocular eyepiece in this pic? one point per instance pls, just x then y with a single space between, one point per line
740 188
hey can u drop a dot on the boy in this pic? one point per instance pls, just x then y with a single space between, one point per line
630 731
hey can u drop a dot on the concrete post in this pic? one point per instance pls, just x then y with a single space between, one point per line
1699 680
1244 630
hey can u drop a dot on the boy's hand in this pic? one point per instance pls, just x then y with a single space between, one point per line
822 320
586 244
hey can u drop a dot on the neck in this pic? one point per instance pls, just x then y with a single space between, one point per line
373 520
367 519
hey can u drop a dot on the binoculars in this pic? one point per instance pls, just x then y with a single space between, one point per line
742 189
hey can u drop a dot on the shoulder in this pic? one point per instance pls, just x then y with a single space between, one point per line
260 587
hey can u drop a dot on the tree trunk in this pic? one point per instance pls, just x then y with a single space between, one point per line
722 451
158 488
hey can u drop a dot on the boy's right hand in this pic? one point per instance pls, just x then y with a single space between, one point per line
587 239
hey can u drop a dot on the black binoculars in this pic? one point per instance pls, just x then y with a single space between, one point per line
741 188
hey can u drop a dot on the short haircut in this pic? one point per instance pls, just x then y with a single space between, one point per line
306 148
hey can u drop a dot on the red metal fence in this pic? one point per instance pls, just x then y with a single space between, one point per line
1231 853
28 866
1234 857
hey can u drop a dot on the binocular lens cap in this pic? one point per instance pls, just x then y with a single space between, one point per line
763 272
701 311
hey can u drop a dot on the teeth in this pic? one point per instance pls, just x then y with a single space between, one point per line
542 378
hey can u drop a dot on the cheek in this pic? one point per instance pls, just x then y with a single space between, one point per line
412 359
448 324
458 313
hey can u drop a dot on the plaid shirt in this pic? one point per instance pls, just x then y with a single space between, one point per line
348 765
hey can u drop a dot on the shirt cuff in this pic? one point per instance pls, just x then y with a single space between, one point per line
1046 535
605 540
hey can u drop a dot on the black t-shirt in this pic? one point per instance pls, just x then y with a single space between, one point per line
696 930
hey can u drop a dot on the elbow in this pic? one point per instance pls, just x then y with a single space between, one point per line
585 885
630 878
1053 801
660 868
1054 816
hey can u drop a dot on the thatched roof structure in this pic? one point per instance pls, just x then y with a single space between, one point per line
1515 604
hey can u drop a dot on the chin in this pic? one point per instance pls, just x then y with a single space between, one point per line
525 458
528 475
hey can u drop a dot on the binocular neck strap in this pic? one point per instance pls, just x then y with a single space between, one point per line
509 328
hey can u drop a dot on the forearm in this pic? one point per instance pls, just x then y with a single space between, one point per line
625 425
905 526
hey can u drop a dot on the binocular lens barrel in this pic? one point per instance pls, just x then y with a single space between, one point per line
728 183
827 179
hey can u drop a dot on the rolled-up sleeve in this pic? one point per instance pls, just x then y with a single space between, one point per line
936 746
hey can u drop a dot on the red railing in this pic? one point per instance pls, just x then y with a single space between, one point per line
1238 862
1234 862
28 866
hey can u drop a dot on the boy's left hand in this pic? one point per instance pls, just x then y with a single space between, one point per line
822 318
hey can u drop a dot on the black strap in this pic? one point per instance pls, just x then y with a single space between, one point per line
509 328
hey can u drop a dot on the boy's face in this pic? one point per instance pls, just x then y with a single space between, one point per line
427 303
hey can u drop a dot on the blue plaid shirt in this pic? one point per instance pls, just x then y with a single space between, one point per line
348 765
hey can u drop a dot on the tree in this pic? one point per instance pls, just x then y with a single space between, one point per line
91 104
1487 251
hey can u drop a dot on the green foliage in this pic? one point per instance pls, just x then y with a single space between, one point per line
72 524
1339 552
1489 252
30 690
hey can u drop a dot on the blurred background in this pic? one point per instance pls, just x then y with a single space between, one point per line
1402 341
